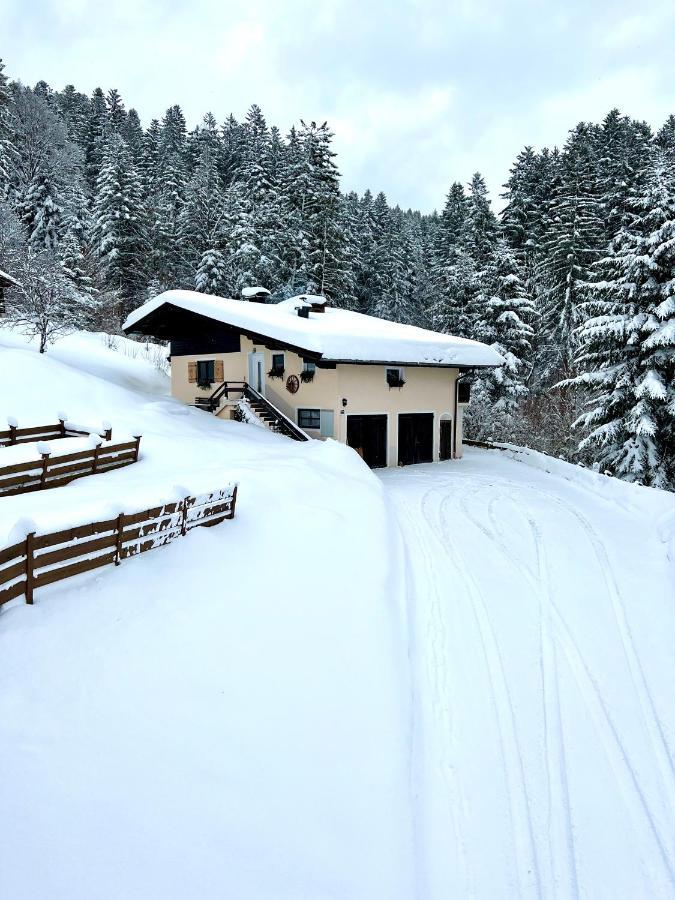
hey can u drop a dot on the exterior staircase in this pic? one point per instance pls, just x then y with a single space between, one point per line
260 406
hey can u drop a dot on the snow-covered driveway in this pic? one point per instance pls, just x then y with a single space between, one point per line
541 649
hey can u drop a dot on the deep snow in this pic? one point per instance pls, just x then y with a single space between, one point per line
446 681
337 334
541 633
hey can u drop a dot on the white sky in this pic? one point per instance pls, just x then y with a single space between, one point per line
418 92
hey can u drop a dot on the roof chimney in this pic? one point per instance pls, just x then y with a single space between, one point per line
317 304
255 294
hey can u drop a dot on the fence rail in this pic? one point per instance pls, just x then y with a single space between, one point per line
49 472
15 435
42 559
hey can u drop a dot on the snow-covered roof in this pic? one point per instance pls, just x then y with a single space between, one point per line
6 279
253 291
338 335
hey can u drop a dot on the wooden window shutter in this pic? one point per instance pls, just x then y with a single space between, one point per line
192 372
218 373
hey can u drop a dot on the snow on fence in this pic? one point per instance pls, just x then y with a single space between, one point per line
41 559
63 428
49 471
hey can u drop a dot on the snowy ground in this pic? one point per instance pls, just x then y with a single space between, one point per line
541 644
448 681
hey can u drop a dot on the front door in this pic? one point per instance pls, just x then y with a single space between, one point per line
256 372
446 439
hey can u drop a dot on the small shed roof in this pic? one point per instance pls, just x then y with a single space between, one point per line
7 280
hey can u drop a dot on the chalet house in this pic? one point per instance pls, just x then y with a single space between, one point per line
395 393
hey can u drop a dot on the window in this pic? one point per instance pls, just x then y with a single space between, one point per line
308 370
463 391
278 362
206 371
309 418
395 378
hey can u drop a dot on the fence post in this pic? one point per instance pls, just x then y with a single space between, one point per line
62 423
233 503
107 434
29 567
12 434
137 438
118 546
183 525
94 465
45 465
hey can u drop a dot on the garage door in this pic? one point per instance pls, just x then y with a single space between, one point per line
368 436
415 438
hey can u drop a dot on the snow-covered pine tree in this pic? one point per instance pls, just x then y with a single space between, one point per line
75 109
5 134
506 325
572 241
95 137
44 165
622 155
211 276
480 230
119 235
202 219
455 270
75 265
318 195
117 114
167 203
626 355
13 241
231 150
132 132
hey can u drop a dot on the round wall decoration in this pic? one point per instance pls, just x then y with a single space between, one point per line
292 384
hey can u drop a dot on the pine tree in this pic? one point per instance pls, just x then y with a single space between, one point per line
202 223
480 231
95 137
211 274
119 229
627 342
5 133
572 241
507 325
117 115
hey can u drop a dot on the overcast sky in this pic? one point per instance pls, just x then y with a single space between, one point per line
418 92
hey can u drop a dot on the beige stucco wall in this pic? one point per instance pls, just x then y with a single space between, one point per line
364 387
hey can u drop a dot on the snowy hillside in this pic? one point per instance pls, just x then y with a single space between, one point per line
447 681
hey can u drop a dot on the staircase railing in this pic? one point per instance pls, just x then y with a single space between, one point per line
284 424
213 401
280 421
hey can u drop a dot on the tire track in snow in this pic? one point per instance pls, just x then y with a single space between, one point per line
527 863
558 799
437 677
587 684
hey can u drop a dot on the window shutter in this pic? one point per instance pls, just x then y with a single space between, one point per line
218 373
192 372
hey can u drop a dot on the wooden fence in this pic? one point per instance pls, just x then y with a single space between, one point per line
42 559
15 435
49 472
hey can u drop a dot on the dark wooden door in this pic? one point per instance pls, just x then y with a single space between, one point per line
446 439
415 438
368 436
